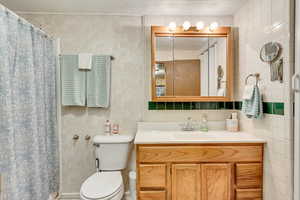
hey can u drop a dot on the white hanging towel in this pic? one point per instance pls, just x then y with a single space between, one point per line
85 61
99 82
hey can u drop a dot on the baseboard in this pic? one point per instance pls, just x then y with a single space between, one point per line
72 196
75 196
127 196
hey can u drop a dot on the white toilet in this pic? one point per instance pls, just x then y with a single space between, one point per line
111 157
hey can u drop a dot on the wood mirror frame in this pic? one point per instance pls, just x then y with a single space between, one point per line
227 32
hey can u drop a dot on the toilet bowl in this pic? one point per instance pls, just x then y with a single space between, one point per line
103 186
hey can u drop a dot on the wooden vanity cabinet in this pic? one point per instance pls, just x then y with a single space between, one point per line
199 172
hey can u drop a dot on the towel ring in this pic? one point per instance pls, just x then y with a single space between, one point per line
256 75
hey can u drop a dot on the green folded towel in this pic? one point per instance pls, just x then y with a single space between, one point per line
253 107
99 81
73 81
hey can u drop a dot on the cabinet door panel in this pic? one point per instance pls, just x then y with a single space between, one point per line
186 182
152 195
248 194
216 181
152 176
249 175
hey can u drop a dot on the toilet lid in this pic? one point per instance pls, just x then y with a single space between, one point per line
101 185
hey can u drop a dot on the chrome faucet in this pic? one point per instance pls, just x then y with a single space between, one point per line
188 125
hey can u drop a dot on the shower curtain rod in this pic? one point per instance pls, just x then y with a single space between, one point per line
24 21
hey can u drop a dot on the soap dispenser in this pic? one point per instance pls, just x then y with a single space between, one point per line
203 124
107 127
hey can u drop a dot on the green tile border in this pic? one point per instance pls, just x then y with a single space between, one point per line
275 108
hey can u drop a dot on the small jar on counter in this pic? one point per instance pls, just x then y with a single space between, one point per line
115 129
232 124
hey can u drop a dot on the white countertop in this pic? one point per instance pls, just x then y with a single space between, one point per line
154 133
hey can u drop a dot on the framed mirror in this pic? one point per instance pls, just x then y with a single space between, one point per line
192 65
270 52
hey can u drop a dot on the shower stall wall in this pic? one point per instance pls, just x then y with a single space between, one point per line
29 160
296 88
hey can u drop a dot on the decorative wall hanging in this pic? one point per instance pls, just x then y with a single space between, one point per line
270 53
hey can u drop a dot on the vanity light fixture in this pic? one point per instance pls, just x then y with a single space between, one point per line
213 26
186 25
172 26
200 25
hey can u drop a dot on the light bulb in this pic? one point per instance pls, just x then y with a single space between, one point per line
186 25
213 26
172 26
200 25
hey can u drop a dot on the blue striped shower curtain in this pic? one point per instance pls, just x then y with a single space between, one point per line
29 165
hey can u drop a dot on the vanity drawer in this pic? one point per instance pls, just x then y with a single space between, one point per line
152 195
248 194
249 175
152 176
149 154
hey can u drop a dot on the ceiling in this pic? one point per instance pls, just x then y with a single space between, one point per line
128 7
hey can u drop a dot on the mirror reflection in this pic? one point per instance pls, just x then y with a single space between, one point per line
190 66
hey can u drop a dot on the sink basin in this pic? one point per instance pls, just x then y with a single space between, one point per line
194 134
198 135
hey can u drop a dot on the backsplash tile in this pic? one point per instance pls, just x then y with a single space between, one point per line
178 106
161 106
170 106
151 105
276 108
268 108
229 105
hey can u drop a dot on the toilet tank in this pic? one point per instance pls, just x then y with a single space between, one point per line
112 151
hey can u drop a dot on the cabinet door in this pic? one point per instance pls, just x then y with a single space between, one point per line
216 181
152 176
186 182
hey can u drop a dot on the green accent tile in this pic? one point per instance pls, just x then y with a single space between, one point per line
278 108
151 105
178 106
170 106
208 106
213 105
268 107
221 105
204 105
198 105
161 106
194 105
238 105
229 105
187 106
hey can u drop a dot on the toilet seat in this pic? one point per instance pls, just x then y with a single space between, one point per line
102 186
